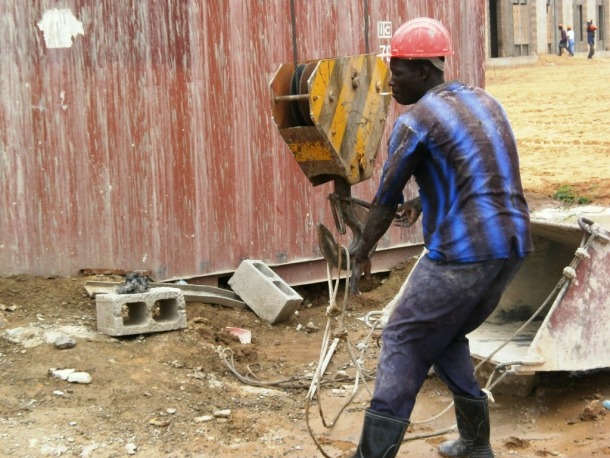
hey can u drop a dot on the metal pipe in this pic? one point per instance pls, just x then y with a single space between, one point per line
291 98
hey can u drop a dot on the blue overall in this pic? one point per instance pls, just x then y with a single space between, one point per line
442 303
457 143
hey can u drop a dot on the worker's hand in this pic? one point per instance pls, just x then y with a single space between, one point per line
378 221
408 213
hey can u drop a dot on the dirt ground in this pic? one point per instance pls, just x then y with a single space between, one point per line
183 393
558 109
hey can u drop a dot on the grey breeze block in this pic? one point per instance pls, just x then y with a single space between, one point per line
160 309
270 297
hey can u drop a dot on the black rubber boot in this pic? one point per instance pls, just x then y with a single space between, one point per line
381 435
472 416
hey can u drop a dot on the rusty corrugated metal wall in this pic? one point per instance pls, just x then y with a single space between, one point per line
138 134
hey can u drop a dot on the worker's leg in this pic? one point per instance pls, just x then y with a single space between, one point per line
455 368
382 435
472 415
454 365
435 308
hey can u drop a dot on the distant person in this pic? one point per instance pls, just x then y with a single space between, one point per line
591 38
570 34
563 40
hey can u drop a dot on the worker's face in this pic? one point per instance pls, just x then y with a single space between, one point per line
407 81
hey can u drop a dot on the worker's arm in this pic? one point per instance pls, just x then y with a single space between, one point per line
405 153
377 223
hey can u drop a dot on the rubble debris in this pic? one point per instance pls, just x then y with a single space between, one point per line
244 335
593 411
135 283
159 423
513 443
223 413
33 335
64 341
71 375
311 327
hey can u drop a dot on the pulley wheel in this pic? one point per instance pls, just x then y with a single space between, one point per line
298 86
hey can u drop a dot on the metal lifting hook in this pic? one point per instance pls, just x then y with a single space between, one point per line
347 211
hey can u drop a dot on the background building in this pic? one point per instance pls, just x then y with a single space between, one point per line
529 27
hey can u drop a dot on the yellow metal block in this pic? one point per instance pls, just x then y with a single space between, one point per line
313 151
345 107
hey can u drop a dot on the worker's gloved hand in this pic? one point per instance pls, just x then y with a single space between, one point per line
409 213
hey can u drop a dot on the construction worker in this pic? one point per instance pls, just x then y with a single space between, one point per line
457 143
570 35
591 28
563 39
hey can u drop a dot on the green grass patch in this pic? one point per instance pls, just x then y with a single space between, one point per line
567 194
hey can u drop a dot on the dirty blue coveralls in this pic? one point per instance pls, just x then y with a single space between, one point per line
457 143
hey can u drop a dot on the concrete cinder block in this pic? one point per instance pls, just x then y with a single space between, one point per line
160 309
270 297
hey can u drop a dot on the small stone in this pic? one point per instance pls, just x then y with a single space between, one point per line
158 422
311 327
224 413
64 341
79 377
61 374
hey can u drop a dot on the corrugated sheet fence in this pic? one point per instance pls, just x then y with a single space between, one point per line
138 134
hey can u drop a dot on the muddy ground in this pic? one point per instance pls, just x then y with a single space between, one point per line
183 393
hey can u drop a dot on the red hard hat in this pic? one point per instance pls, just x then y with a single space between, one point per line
421 38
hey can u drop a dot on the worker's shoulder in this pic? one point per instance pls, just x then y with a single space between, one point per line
455 92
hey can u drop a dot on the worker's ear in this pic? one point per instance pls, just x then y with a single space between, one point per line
423 71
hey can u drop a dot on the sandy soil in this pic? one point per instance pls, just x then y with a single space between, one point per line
559 112
157 394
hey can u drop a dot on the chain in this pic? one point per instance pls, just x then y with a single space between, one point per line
366 26
294 34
